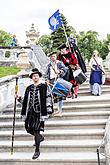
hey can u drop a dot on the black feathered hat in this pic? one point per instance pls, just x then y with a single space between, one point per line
35 71
54 52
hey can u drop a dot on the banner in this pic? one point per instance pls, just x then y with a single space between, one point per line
55 21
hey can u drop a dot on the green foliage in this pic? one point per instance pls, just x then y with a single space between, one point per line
104 47
87 41
46 43
8 70
5 38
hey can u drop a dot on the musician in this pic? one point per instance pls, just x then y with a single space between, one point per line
75 50
54 70
35 108
71 62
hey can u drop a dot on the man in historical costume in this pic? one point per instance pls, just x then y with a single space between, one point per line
75 50
35 106
70 61
54 70
14 41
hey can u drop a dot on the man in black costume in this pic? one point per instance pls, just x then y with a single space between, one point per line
35 108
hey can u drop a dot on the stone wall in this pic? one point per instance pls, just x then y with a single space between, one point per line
107 142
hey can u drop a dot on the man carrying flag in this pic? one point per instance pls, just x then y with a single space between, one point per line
55 21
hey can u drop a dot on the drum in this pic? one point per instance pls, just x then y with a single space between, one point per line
65 83
61 87
79 76
59 90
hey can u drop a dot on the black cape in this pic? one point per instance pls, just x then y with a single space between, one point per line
81 62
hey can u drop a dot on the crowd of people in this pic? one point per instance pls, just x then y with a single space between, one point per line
39 100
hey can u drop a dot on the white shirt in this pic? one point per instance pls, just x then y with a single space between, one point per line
53 74
93 62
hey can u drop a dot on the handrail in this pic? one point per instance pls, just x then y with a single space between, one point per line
14 47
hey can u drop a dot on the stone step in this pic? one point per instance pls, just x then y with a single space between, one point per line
56 134
84 115
88 100
87 92
60 124
85 108
66 115
62 158
82 98
104 98
53 146
87 88
73 107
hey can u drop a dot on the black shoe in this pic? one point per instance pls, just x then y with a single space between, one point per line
76 96
36 155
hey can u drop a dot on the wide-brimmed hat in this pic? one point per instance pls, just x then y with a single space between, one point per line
50 54
62 46
35 71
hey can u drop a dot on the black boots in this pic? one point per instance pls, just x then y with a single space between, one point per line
38 139
36 155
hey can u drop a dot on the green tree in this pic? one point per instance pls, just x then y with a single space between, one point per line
46 43
87 42
104 49
5 38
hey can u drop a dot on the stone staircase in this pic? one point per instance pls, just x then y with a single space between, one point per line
69 140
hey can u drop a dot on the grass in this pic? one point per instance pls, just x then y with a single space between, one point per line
8 70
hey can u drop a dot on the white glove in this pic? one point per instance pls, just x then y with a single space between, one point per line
23 117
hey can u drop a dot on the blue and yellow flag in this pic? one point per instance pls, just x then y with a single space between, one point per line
55 21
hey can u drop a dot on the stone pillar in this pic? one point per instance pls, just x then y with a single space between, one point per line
23 62
107 141
32 35
1 55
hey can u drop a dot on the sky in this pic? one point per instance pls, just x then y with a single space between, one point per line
16 16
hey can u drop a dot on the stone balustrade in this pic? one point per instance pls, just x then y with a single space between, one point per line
107 142
7 89
11 53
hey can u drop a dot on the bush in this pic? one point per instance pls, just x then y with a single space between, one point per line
8 70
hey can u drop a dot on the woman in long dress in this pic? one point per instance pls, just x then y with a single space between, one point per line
96 65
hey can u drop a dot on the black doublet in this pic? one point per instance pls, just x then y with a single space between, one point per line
34 105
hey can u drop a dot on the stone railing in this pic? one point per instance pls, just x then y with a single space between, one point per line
10 55
107 142
7 89
11 52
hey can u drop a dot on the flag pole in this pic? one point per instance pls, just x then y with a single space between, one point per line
66 35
